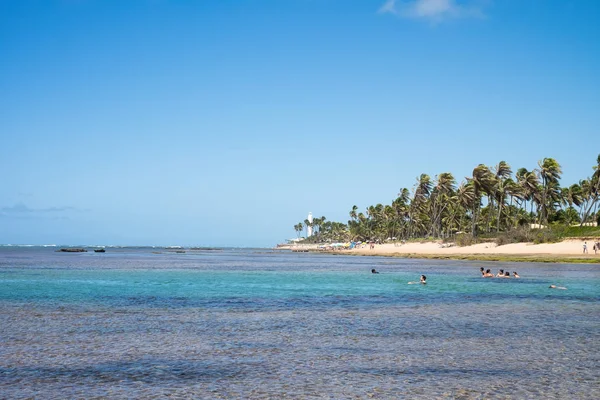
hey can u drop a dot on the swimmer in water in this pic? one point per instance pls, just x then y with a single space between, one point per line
373 271
515 274
557 287
488 274
423 280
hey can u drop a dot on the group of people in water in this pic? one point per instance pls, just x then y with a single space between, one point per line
501 274
485 273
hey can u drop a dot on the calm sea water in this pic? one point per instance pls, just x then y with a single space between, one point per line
258 324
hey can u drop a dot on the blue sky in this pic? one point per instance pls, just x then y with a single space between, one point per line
225 122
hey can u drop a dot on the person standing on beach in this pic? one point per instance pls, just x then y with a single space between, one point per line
585 248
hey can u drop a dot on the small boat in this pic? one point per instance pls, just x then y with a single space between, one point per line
100 251
72 250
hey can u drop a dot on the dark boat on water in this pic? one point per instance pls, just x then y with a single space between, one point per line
100 251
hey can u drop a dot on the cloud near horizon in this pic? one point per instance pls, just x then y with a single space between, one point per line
433 10
22 209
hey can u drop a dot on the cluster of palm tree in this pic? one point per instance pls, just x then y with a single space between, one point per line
492 200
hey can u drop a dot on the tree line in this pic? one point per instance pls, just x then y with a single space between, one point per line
492 200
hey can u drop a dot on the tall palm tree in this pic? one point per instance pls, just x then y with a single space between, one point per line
440 196
590 193
529 182
515 192
502 173
465 196
353 213
421 194
570 196
481 182
550 172
401 207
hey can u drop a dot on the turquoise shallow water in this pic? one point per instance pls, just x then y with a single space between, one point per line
130 323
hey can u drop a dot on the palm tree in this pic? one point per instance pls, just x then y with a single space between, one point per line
401 208
590 193
298 228
316 224
481 182
421 194
549 171
440 196
465 197
514 191
529 183
570 196
502 173
353 213
307 224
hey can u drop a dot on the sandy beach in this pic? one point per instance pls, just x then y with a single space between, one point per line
561 251
568 247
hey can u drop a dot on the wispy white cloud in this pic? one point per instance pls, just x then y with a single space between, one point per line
388 7
434 10
22 209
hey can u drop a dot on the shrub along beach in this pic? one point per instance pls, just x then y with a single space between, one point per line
492 215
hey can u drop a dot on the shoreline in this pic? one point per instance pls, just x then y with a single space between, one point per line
531 258
567 251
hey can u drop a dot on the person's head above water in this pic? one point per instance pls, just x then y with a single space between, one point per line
373 271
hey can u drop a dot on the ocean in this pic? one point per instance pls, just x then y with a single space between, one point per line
266 324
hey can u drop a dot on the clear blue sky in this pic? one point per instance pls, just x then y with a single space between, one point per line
225 122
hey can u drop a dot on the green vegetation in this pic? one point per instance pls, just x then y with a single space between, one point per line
582 232
491 205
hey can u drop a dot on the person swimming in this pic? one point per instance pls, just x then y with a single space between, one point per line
557 287
515 275
482 272
500 274
423 280
488 274
506 274
373 271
